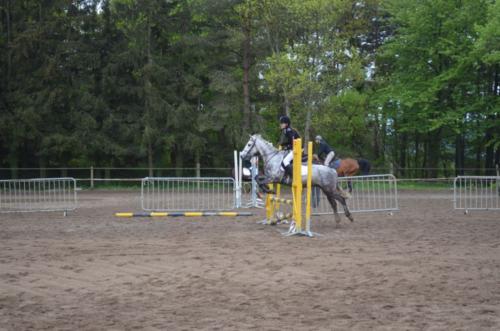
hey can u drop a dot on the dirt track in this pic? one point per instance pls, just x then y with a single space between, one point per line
426 267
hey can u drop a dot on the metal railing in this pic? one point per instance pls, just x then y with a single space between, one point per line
39 194
369 194
249 197
476 193
188 194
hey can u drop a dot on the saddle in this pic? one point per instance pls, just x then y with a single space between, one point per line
335 164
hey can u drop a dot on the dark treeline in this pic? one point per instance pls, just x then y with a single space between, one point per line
166 83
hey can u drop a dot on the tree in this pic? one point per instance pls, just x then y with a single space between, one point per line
427 72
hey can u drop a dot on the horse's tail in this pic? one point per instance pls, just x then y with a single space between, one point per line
364 166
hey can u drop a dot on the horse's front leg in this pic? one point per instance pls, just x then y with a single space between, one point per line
349 184
263 183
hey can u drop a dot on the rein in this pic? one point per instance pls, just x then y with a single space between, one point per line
270 155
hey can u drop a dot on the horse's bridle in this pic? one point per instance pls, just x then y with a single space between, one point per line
273 154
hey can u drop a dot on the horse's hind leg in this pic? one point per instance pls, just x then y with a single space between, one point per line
341 199
333 203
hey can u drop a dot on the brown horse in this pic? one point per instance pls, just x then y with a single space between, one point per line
344 167
350 167
347 167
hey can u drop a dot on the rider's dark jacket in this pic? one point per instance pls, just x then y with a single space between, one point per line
325 149
287 136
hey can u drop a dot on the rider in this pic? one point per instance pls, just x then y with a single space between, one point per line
326 150
288 134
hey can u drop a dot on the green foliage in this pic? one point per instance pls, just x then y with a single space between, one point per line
173 83
433 81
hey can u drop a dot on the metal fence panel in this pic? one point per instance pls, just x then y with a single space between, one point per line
476 193
250 196
370 193
188 194
38 194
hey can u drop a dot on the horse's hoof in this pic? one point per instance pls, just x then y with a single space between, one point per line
351 218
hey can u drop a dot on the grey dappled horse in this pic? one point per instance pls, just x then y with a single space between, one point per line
323 177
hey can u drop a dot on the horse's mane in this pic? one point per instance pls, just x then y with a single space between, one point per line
259 136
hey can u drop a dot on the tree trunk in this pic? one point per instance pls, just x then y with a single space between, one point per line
150 159
417 154
179 162
246 77
433 153
424 160
489 160
13 165
9 52
497 157
383 139
496 81
445 169
197 163
148 87
376 145
477 164
459 155
286 103
308 126
402 154
42 164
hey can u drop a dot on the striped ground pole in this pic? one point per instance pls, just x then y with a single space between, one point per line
285 201
184 214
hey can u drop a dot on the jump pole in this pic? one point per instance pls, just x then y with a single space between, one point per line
273 203
184 214
298 227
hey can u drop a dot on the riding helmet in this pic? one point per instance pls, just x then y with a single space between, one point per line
318 138
285 119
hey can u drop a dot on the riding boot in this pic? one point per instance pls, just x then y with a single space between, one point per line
288 176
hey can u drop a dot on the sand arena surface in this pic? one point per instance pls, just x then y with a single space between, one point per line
425 268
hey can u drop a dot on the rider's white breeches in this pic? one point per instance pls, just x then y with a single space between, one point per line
288 158
329 158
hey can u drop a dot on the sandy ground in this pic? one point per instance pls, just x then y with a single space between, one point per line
427 267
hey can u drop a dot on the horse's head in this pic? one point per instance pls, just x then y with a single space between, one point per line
250 149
